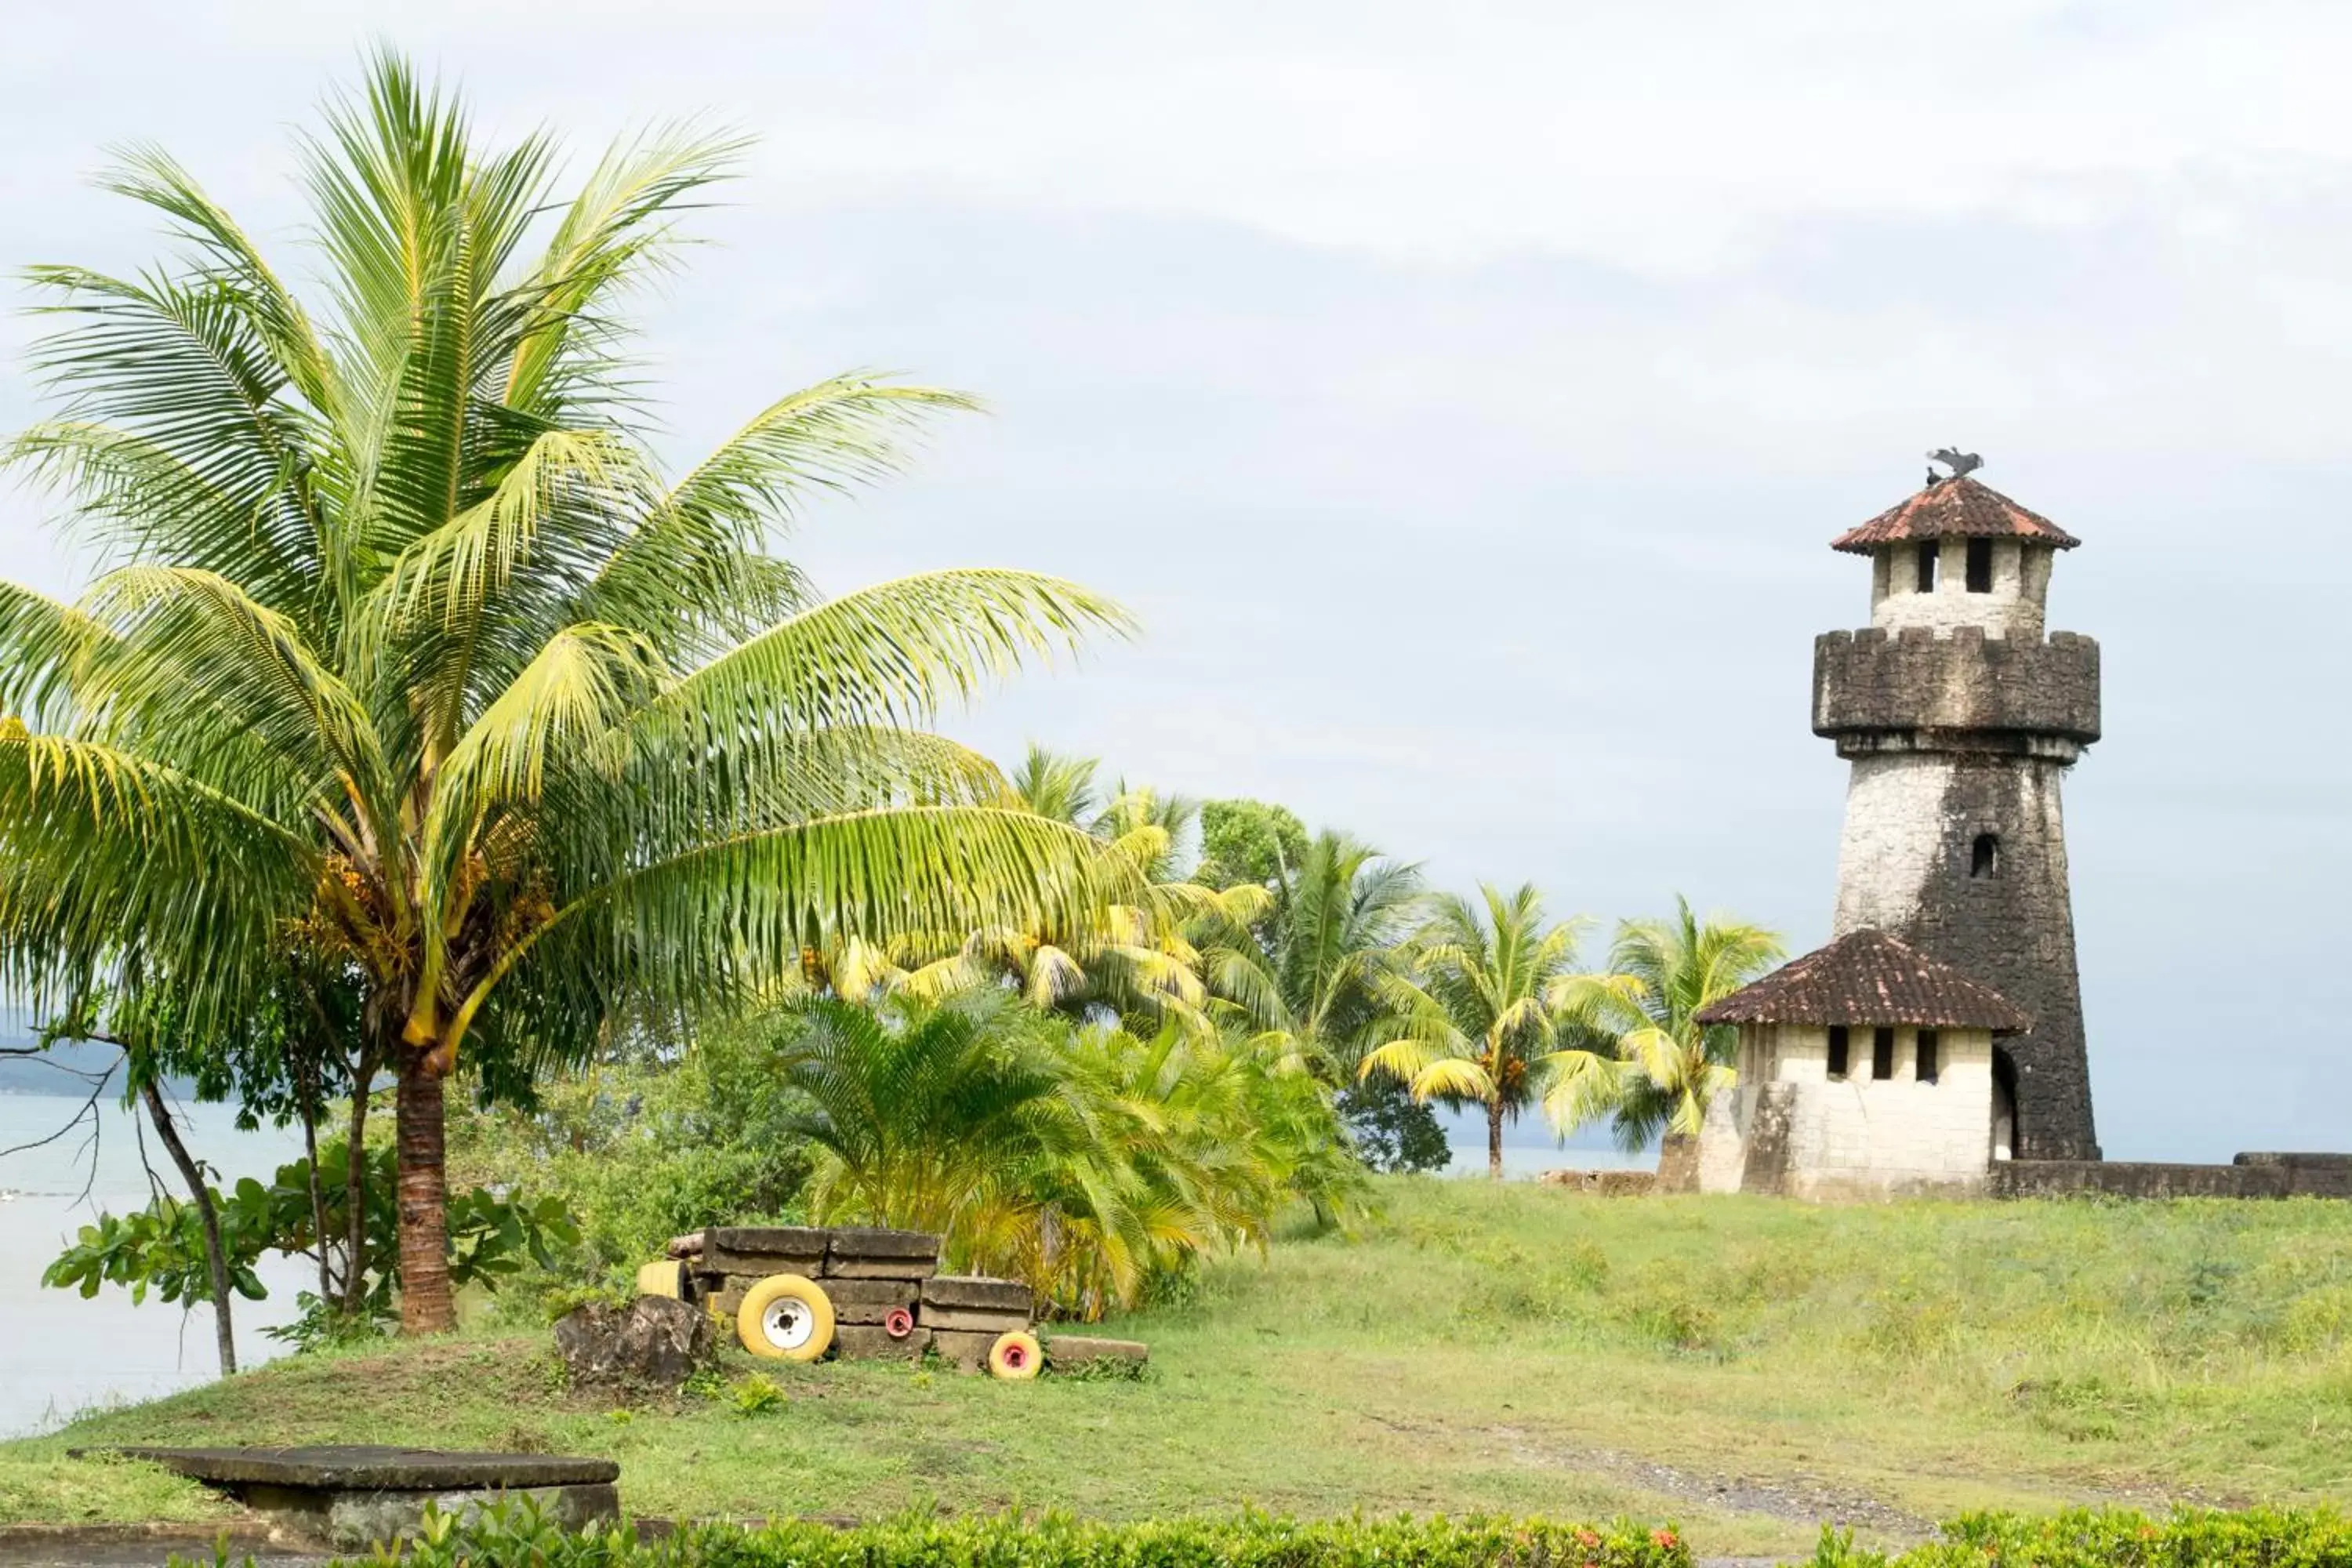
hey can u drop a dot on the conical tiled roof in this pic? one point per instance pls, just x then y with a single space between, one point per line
1951 506
1868 977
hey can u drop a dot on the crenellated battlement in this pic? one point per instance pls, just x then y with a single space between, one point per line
1956 689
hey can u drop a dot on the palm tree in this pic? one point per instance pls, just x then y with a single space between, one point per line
1086 1160
1658 1068
1058 785
1475 1019
1339 919
411 641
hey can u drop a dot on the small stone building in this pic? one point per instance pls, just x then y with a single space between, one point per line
1865 1069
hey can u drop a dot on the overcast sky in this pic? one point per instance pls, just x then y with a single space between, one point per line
1465 395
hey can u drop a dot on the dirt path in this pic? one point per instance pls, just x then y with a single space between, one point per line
1801 1500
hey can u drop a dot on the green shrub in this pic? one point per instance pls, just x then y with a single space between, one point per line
513 1536
2257 1537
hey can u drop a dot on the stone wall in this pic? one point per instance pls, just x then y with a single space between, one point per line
1957 691
2257 1176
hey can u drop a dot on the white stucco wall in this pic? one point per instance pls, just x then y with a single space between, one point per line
1893 840
2020 583
1860 1136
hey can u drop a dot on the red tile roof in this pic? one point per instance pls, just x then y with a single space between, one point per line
1868 977
1954 506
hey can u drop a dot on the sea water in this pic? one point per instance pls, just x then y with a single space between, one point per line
61 1354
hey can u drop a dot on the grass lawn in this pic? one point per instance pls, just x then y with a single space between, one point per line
1747 1367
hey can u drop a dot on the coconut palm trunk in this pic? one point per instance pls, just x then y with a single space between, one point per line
1495 1138
427 1303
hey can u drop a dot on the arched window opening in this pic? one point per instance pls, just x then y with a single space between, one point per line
1980 565
1926 569
1984 856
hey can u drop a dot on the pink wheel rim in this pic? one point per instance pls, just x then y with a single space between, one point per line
897 1322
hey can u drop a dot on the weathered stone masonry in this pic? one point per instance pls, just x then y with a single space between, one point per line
1959 732
1955 740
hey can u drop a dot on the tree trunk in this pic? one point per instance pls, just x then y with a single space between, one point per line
426 1305
216 1255
1495 1138
318 1184
355 1194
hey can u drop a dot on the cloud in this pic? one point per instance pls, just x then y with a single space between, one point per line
1465 397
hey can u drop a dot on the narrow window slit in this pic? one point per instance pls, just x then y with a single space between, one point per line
1881 1053
1838 1051
1925 1068
1980 565
1927 565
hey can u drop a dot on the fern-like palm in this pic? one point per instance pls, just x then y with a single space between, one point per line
1474 1020
1090 1161
1656 1068
408 643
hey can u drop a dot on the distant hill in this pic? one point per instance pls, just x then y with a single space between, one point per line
37 1075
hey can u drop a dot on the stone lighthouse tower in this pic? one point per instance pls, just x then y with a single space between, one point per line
1961 717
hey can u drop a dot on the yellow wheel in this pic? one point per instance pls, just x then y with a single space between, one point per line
785 1316
666 1278
1015 1357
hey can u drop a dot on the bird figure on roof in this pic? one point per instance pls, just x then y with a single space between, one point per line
1962 464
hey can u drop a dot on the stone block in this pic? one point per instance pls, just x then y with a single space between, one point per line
866 1342
864 1242
867 1301
978 1291
655 1342
782 1240
967 1351
760 1265
357 1520
907 1269
1078 1349
970 1320
351 1496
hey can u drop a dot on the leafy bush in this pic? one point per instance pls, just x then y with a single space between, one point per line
162 1246
2257 1537
507 1536
643 1150
1097 1165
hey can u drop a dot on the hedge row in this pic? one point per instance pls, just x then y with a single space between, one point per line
518 1538
2257 1537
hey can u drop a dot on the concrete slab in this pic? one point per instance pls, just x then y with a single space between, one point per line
372 1467
866 1242
977 1291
